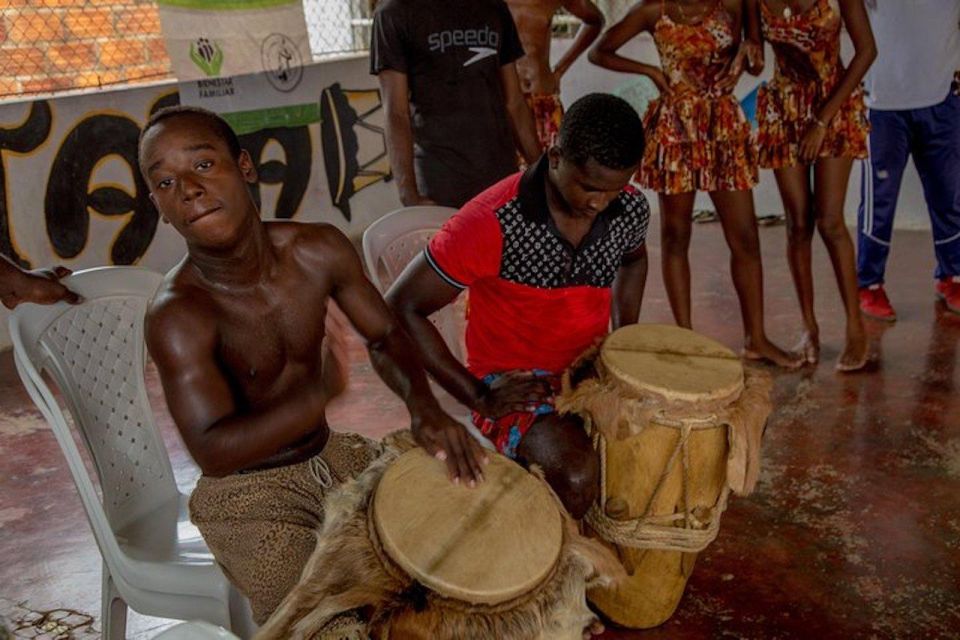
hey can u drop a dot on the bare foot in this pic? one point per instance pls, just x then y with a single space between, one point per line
766 351
856 353
809 347
596 628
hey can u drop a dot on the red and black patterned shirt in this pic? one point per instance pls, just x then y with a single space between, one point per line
536 301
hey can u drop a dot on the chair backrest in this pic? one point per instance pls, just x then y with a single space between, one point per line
94 353
390 243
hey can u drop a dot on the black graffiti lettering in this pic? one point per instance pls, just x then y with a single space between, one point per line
346 174
23 139
171 99
68 196
293 173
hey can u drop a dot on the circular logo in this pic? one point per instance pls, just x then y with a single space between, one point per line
282 63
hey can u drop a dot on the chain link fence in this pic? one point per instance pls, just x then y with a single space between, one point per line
343 26
60 45
338 27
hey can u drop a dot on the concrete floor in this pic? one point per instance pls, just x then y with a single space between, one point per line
854 531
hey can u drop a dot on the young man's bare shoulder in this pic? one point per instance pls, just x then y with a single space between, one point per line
312 241
180 307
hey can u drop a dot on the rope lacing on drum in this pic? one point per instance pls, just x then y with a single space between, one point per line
320 471
659 531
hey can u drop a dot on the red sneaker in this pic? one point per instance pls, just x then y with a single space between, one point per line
875 304
948 290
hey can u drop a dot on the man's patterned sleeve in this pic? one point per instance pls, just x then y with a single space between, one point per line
638 218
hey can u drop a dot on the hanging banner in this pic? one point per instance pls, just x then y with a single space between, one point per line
244 59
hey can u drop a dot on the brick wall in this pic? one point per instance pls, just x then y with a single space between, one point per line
55 45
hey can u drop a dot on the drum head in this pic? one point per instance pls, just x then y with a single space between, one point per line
484 545
672 362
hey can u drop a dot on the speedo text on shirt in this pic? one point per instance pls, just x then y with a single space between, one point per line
483 37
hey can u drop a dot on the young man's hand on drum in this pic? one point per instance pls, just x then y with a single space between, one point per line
447 440
513 392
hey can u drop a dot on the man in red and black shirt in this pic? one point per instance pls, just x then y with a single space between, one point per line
550 257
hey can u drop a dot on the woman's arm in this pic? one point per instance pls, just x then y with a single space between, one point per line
858 26
642 17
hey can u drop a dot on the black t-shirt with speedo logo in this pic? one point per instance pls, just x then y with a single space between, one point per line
452 52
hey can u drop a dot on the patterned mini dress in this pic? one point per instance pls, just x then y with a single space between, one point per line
808 67
697 136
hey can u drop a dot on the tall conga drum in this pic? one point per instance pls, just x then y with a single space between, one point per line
427 559
675 429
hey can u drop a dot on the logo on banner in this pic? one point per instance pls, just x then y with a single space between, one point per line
282 63
208 56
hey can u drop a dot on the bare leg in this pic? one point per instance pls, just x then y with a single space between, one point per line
794 184
560 446
740 230
675 228
830 188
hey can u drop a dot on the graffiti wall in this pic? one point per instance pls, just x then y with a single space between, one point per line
71 194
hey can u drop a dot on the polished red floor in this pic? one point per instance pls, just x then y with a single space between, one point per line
854 531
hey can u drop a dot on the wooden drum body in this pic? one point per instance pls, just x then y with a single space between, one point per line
664 413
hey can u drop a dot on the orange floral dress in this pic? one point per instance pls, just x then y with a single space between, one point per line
808 67
698 138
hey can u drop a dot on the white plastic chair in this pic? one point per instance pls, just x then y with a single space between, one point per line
395 239
154 559
389 244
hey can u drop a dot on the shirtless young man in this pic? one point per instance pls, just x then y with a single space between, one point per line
541 84
237 334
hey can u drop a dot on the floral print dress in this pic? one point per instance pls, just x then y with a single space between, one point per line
808 67
698 138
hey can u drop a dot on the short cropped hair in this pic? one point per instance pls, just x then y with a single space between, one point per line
603 127
218 124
